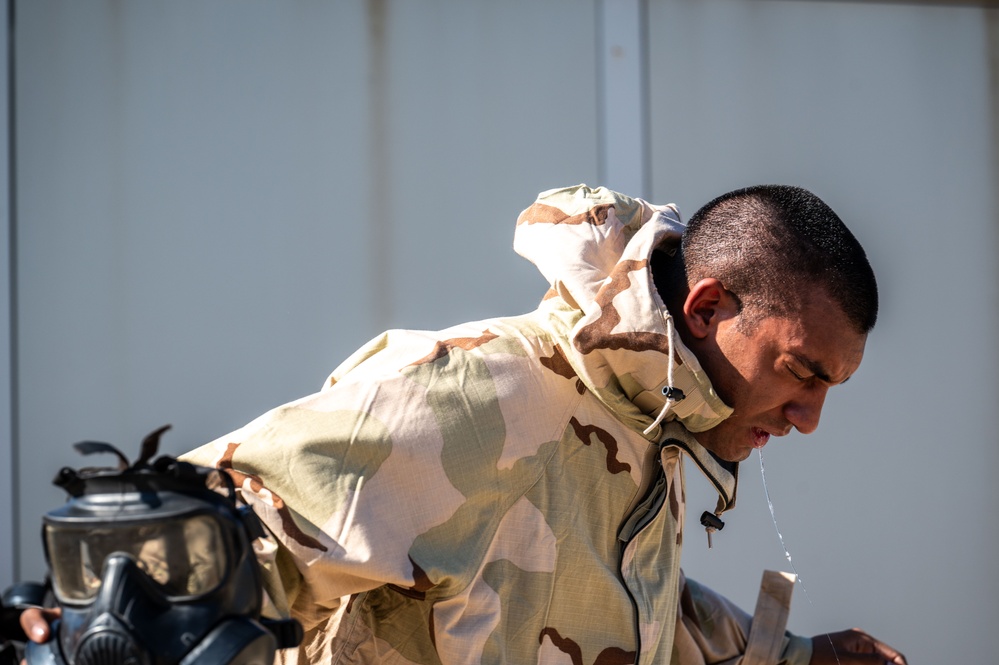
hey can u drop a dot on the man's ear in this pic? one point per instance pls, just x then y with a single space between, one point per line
708 304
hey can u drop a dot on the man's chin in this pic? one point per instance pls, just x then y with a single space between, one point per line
732 455
727 453
738 456
732 444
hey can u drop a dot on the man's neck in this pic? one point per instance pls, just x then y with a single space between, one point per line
671 282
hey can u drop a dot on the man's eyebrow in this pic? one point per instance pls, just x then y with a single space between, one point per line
816 368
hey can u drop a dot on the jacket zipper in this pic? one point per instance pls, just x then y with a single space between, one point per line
641 515
648 507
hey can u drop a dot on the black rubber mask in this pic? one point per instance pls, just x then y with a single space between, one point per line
152 566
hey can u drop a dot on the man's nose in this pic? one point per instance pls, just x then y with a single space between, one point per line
805 409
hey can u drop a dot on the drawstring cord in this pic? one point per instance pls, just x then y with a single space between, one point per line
673 395
710 522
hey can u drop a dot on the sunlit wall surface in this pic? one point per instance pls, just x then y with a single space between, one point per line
887 111
218 201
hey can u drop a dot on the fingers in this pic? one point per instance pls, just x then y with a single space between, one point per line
879 648
854 646
37 621
892 656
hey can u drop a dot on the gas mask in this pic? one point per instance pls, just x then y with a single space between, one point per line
152 564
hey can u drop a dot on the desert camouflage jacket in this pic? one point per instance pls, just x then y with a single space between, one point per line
486 493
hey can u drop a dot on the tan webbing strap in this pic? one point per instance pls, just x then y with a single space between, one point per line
770 619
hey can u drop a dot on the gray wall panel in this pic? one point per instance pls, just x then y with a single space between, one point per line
8 460
884 111
489 103
222 200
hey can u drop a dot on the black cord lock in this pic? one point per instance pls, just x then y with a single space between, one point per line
674 394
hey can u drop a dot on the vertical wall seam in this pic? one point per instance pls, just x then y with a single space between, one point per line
645 97
13 492
380 264
991 20
623 116
600 67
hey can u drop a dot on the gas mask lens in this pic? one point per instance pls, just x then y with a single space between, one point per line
185 556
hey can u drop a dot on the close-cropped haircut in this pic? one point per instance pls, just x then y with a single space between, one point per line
771 245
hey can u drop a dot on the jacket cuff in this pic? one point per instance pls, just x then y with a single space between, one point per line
797 651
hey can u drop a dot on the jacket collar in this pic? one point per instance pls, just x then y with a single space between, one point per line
594 247
723 475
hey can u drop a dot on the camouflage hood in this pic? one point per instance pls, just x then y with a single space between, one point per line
594 246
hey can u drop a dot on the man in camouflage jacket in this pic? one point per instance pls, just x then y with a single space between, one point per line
509 490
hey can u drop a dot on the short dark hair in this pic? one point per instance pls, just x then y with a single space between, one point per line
769 244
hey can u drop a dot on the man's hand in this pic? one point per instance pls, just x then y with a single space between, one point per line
37 623
853 647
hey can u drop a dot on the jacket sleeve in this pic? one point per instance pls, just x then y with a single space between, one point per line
711 630
279 464
393 474
339 478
